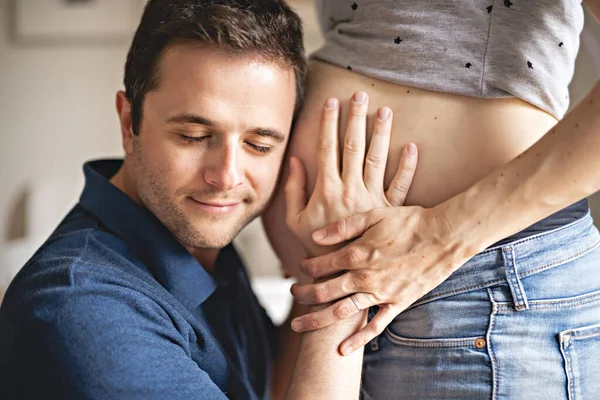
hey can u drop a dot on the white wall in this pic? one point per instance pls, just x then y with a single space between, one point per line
56 111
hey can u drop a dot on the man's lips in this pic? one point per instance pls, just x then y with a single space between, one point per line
214 204
217 207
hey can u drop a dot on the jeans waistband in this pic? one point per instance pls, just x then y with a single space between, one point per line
562 217
519 258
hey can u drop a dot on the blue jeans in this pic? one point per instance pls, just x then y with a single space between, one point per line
518 321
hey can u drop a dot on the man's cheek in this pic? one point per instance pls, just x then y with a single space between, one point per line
179 167
268 179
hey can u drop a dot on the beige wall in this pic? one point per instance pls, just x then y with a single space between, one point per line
56 111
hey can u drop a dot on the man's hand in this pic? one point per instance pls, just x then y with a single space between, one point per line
401 254
358 187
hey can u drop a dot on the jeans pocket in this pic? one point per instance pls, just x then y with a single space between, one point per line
447 343
580 348
441 368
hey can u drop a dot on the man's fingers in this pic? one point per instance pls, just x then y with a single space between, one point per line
355 138
295 190
342 309
376 159
328 149
373 329
398 190
346 228
323 292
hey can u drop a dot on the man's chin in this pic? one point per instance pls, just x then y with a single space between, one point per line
211 240
209 233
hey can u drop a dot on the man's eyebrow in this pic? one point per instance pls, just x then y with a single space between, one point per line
199 120
269 133
191 119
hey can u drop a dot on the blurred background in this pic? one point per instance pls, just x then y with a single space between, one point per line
61 63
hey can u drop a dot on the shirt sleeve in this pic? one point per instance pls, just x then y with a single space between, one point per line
102 342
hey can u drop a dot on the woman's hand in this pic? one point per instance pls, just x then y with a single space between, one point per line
401 254
359 186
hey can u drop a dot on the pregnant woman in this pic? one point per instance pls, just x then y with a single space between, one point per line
468 308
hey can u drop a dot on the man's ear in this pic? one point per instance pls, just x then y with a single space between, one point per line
124 111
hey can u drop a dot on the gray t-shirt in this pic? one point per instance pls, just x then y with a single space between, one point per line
479 48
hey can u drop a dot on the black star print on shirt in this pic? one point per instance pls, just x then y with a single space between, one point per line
349 68
560 44
508 3
489 9
468 65
529 64
354 6
398 40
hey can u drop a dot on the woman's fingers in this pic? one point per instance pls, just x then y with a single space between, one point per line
355 139
323 292
377 155
342 309
328 150
398 190
346 228
374 328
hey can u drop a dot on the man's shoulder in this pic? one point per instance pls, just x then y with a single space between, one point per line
80 255
82 278
81 243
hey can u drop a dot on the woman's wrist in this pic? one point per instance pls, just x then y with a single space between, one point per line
468 222
558 170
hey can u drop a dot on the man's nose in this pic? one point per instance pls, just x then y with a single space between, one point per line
224 172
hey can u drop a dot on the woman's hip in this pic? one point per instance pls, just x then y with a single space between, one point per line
518 321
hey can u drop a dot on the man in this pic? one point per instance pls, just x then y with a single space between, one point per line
138 293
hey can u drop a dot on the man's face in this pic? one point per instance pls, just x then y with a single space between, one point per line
211 142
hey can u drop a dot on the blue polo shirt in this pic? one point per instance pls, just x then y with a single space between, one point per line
113 307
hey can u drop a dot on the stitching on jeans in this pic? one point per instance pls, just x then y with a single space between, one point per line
563 347
539 235
458 291
516 288
586 336
556 304
492 354
557 263
497 281
430 343
593 330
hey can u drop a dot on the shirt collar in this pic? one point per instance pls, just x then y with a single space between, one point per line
171 264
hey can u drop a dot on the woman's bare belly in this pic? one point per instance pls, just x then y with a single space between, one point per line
460 139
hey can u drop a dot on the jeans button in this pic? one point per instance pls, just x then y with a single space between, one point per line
480 343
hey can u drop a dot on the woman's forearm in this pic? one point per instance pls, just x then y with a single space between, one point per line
321 372
561 168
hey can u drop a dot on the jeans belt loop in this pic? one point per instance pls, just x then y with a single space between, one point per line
512 277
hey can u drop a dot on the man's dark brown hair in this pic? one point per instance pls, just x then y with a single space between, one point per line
268 29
